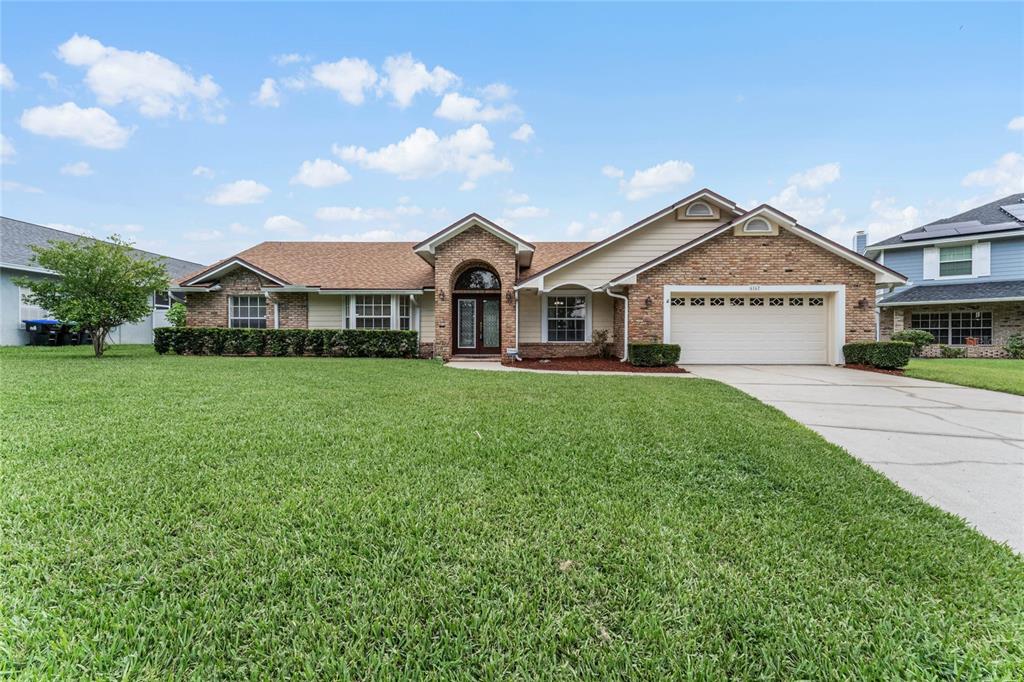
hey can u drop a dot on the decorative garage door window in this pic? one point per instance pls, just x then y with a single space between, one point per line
752 301
815 301
696 301
678 300
776 301
737 301
757 302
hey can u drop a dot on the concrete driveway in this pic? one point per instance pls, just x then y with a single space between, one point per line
961 449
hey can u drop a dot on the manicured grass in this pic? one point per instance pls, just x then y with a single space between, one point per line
996 375
278 517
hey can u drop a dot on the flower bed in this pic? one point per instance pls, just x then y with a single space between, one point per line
593 364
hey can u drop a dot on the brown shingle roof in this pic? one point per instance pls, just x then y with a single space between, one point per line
363 265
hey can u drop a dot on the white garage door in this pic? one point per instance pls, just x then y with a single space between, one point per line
783 329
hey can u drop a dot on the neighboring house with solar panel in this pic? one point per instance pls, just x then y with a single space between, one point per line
16 241
965 278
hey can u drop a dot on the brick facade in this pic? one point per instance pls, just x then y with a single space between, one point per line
772 260
472 247
1007 319
532 351
292 311
211 310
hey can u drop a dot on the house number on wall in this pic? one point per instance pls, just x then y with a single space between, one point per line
754 287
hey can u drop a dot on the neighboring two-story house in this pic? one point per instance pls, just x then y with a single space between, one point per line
965 278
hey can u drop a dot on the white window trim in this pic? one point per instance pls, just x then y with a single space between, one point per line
838 303
231 308
588 319
757 219
162 307
938 263
393 307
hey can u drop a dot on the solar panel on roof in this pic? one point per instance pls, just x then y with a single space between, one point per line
984 229
913 236
1016 210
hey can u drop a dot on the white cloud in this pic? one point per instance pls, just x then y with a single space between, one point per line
663 177
888 219
203 235
127 228
203 172
373 236
349 77
467 186
405 78
456 107
497 91
517 198
238 193
597 225
523 133
7 151
526 213
817 177
612 172
320 173
291 58
268 94
239 228
12 186
155 84
77 169
285 225
1016 124
425 154
6 78
92 127
1005 176
358 214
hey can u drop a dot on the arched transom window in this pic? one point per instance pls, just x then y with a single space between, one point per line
757 225
477 279
698 209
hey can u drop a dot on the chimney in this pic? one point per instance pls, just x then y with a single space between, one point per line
860 242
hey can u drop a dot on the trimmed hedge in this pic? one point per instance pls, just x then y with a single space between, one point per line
344 343
654 354
919 337
880 354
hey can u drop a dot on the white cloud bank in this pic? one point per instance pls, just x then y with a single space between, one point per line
456 107
424 153
320 173
154 84
6 78
349 77
92 127
404 78
664 177
284 225
1005 176
523 133
238 193
268 95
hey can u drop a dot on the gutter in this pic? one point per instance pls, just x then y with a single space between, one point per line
954 301
625 322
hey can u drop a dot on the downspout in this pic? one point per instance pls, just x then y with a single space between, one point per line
517 356
625 322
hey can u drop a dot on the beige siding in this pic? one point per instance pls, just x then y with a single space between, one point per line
529 316
426 302
602 309
623 255
327 311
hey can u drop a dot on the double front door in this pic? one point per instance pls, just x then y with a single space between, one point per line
477 320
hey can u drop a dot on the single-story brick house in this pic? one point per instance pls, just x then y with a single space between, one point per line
727 284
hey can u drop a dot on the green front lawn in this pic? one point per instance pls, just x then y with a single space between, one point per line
279 517
996 375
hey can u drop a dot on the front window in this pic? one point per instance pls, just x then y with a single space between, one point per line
567 318
373 312
161 299
404 313
248 312
956 327
954 261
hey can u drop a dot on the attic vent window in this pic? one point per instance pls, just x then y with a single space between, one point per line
698 209
757 226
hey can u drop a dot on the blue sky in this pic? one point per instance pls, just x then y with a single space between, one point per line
557 121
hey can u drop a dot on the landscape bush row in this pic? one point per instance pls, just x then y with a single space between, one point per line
880 354
346 343
654 354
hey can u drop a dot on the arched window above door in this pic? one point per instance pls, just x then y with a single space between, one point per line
477 279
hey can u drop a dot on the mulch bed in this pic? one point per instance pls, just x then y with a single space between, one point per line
869 368
595 365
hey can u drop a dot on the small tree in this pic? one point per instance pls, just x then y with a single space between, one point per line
99 285
177 315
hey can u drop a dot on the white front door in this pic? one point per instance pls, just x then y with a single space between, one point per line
770 329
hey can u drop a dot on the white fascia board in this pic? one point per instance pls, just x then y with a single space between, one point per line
963 239
904 304
455 230
340 292
201 290
27 268
235 262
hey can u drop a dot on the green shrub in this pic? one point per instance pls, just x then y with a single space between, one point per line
950 352
177 315
919 337
857 353
890 354
1015 346
654 354
352 343
602 344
